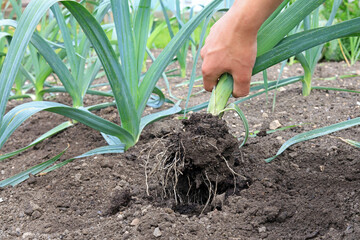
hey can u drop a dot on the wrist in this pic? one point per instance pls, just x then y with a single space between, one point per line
249 15
243 21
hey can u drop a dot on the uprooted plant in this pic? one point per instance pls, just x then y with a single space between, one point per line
198 167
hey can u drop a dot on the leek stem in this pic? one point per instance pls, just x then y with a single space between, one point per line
220 95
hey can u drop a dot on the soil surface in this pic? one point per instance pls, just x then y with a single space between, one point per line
188 179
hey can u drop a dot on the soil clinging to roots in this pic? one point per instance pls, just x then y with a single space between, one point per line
198 168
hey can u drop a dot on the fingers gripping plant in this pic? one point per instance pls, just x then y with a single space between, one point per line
275 46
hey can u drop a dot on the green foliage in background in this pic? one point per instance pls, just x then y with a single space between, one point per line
164 37
347 10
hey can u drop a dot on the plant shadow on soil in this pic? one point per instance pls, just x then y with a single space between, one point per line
311 191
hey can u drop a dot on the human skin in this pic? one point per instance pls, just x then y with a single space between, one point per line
231 46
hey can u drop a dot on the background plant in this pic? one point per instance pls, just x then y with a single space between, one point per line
131 95
348 10
310 57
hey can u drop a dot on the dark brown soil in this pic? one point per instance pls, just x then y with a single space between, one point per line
311 191
196 170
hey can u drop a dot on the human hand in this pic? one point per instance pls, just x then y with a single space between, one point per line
229 48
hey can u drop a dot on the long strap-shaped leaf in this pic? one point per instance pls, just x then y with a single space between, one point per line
87 74
165 57
8 22
126 106
141 29
126 43
316 133
159 115
59 68
69 47
48 134
18 178
278 28
274 14
299 42
27 23
98 151
15 117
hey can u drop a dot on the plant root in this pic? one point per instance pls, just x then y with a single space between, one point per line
195 168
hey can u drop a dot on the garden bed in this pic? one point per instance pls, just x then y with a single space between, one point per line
311 191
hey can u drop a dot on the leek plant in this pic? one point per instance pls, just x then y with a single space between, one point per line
351 52
37 69
82 69
131 94
31 62
275 46
10 10
87 68
181 55
270 35
310 57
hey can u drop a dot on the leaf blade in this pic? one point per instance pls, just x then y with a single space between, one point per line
316 133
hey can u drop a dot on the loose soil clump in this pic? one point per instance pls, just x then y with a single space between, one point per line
197 169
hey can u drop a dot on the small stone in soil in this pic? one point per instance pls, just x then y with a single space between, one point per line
157 232
274 124
36 214
107 164
293 154
262 229
77 176
31 207
27 235
135 222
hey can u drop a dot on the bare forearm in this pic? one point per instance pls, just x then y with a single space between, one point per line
250 14
232 44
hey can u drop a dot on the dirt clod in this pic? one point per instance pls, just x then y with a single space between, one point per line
198 167
120 200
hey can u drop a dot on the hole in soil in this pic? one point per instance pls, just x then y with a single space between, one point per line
197 169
